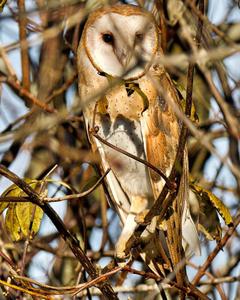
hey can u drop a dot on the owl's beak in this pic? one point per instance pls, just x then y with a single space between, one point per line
124 56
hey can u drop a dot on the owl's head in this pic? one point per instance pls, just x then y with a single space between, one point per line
121 40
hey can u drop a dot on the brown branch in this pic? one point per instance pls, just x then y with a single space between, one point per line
205 19
101 278
217 281
24 51
62 89
8 260
24 290
7 63
54 94
229 117
79 195
211 277
71 240
56 199
52 290
22 92
189 291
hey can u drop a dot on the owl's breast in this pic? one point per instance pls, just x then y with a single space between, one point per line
125 134
130 100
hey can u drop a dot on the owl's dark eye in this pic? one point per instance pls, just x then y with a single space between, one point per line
139 37
108 38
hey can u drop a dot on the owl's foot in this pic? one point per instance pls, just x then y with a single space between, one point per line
123 247
126 239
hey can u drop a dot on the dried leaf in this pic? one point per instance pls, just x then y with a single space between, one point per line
175 11
209 207
204 231
215 201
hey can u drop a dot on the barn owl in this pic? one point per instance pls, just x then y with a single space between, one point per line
128 97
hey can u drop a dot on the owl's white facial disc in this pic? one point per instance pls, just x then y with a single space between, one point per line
120 45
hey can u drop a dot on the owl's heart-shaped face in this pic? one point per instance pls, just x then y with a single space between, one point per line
121 45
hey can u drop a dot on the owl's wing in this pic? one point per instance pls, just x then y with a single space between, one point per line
160 129
121 202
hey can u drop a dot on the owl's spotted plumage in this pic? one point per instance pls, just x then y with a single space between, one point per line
118 69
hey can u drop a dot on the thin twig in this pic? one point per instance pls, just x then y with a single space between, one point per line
57 199
62 89
7 63
18 288
22 92
214 253
169 184
24 51
66 235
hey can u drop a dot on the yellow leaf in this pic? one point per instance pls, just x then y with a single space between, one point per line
3 205
213 232
202 229
135 87
182 91
11 191
12 224
29 214
215 201
22 218
15 191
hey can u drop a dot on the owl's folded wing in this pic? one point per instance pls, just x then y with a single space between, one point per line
161 129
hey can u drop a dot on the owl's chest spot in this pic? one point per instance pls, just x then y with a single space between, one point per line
124 100
121 104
